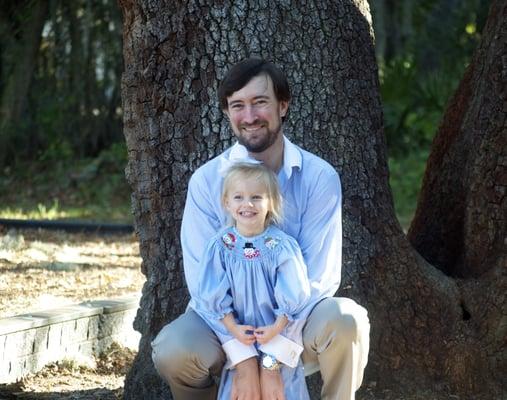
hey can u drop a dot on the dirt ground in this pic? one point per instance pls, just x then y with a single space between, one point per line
42 269
101 379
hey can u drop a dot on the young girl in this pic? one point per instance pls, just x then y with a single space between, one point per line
253 281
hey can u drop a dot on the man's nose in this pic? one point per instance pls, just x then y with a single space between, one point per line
249 115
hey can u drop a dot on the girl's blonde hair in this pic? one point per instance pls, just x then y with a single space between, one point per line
266 177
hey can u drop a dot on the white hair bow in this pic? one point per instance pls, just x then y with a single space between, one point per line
238 154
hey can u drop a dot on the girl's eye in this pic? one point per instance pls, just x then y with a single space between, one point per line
257 197
237 197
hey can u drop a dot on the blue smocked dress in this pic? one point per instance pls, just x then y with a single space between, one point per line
256 278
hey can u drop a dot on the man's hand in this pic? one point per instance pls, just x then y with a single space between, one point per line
271 385
245 385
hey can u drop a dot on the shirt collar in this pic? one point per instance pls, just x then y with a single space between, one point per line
291 156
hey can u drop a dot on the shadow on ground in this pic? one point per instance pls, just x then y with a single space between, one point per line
15 392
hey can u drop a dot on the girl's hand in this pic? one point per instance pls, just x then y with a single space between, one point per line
244 333
264 334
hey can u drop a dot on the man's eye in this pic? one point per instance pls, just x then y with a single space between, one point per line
237 106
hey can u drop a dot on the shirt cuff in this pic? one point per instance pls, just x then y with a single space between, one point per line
237 352
284 350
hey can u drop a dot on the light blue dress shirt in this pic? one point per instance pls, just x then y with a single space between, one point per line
312 215
256 278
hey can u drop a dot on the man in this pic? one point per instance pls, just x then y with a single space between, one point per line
255 97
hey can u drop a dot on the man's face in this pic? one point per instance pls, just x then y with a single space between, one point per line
255 114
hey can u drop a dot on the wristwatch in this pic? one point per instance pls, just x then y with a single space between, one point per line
269 362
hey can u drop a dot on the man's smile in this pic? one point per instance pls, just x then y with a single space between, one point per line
253 127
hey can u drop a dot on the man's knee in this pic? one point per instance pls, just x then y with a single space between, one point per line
169 350
182 348
346 318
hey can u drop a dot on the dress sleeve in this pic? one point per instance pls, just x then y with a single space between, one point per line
213 298
292 287
292 293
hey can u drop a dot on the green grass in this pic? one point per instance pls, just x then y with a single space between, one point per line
87 189
93 212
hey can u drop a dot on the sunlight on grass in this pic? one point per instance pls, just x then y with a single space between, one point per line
40 211
57 212
91 189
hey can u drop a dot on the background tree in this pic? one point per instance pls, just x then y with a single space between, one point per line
21 26
59 79
422 48
426 324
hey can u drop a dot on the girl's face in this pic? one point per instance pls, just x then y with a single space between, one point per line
247 202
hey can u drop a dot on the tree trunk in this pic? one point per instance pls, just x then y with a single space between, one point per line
175 54
461 220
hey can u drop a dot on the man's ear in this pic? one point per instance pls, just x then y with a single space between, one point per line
226 112
284 107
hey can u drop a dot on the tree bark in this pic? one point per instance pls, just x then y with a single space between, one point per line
460 224
175 54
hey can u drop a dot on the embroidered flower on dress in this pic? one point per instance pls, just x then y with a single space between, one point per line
250 251
271 242
229 239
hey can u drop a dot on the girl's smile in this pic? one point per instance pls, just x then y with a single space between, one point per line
248 204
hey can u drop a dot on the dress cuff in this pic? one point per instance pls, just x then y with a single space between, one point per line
237 352
284 350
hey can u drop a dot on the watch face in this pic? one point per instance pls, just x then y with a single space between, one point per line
267 361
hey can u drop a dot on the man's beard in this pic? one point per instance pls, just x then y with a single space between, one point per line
259 146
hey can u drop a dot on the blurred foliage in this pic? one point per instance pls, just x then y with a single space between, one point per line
70 108
87 188
413 104
422 68
423 49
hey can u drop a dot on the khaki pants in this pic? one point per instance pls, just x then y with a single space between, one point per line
187 353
